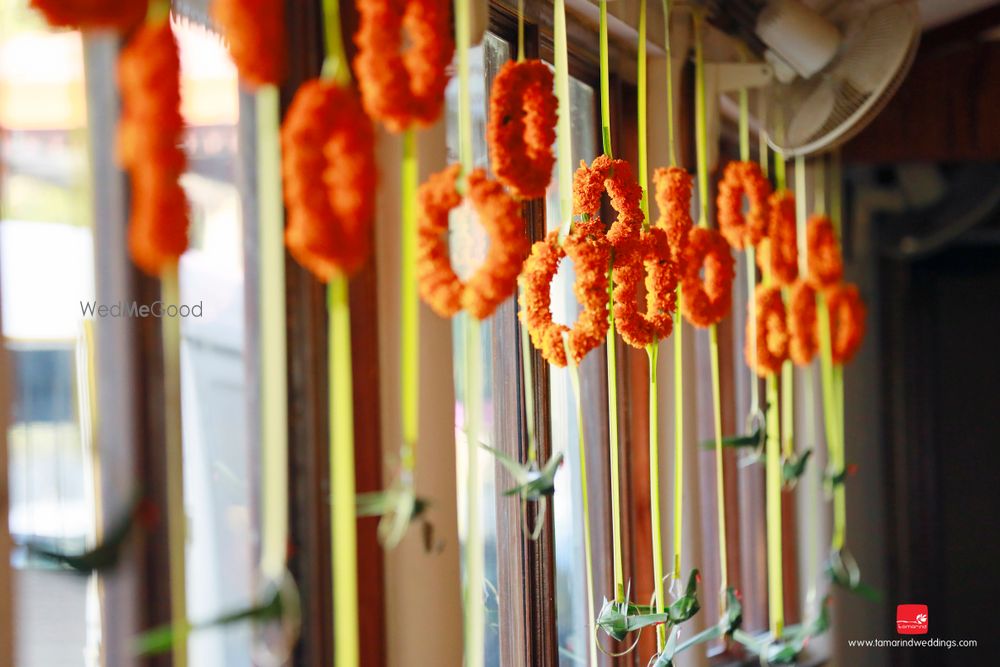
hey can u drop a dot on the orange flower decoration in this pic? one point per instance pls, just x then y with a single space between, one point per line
255 31
328 165
802 322
646 257
590 251
522 127
614 177
92 14
673 197
826 268
772 336
741 179
499 214
150 133
847 321
706 302
401 88
777 254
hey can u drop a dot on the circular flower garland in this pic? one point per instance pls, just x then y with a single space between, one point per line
329 171
739 179
590 251
847 321
772 335
826 268
646 257
802 322
673 197
706 302
499 215
149 138
614 177
86 14
255 33
522 127
402 88
778 253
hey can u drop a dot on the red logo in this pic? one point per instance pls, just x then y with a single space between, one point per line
911 619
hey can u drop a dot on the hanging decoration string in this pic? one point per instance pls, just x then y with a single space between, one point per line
343 519
616 534
651 351
564 137
574 375
671 139
474 556
409 302
273 350
678 333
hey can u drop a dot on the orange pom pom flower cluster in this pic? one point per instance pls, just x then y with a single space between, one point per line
255 33
522 127
646 257
499 214
149 138
329 173
673 197
92 14
402 88
739 180
706 302
590 251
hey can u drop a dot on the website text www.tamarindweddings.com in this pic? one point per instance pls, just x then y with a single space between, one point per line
912 642
91 309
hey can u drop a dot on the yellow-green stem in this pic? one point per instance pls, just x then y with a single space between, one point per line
701 120
671 139
343 533
336 66
616 531
409 305
520 30
474 556
585 506
678 436
605 91
564 143
773 501
720 489
654 491
641 102
787 411
174 455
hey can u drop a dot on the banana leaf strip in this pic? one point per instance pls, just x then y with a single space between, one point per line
843 571
727 625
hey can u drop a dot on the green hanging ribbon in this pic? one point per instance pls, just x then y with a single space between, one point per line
585 504
671 139
775 596
605 90
174 453
273 350
409 305
564 136
344 538
520 30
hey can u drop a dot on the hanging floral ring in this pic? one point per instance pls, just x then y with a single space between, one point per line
328 165
522 127
770 349
826 268
743 179
255 33
645 258
847 321
614 177
706 302
673 197
590 251
400 87
777 254
500 216
802 322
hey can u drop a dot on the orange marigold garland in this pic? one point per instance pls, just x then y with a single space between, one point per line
329 171
847 321
802 322
590 251
673 197
92 14
706 302
772 334
522 127
255 32
741 179
826 268
401 87
606 174
149 137
646 257
499 215
778 254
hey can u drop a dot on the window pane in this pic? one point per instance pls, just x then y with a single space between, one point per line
46 259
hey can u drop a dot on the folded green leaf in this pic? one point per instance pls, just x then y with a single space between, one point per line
104 556
617 619
687 605
793 468
530 483
398 506
843 572
753 440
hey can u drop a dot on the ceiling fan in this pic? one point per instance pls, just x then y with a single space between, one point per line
824 69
